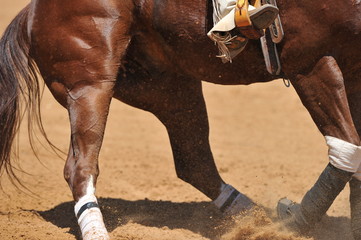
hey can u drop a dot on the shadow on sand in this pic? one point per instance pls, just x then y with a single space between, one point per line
198 217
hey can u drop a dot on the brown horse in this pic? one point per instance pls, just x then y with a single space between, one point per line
153 55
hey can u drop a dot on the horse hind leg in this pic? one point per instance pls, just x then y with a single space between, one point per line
88 114
323 93
88 106
80 69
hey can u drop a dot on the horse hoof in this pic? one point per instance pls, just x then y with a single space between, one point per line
241 205
290 213
284 209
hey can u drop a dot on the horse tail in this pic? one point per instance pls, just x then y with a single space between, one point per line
19 90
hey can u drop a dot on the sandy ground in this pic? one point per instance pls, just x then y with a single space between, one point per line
264 142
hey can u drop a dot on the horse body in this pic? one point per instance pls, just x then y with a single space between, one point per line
179 32
171 37
166 36
153 55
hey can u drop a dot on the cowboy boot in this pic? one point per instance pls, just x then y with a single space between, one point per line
231 14
250 20
355 202
316 202
235 21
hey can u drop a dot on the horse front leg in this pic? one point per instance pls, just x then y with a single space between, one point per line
177 101
354 98
323 93
186 120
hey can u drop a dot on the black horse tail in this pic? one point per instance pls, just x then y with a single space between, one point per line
20 92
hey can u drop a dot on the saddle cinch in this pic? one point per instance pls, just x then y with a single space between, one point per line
269 37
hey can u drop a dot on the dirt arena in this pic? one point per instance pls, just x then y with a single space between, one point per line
263 140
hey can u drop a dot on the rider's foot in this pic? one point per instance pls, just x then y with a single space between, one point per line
231 43
263 16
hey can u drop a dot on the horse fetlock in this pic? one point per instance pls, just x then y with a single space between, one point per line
290 213
92 225
231 202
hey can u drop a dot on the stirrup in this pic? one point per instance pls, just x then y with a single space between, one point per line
263 16
252 22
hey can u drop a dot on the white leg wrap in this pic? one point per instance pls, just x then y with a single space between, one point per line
232 202
344 155
90 219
